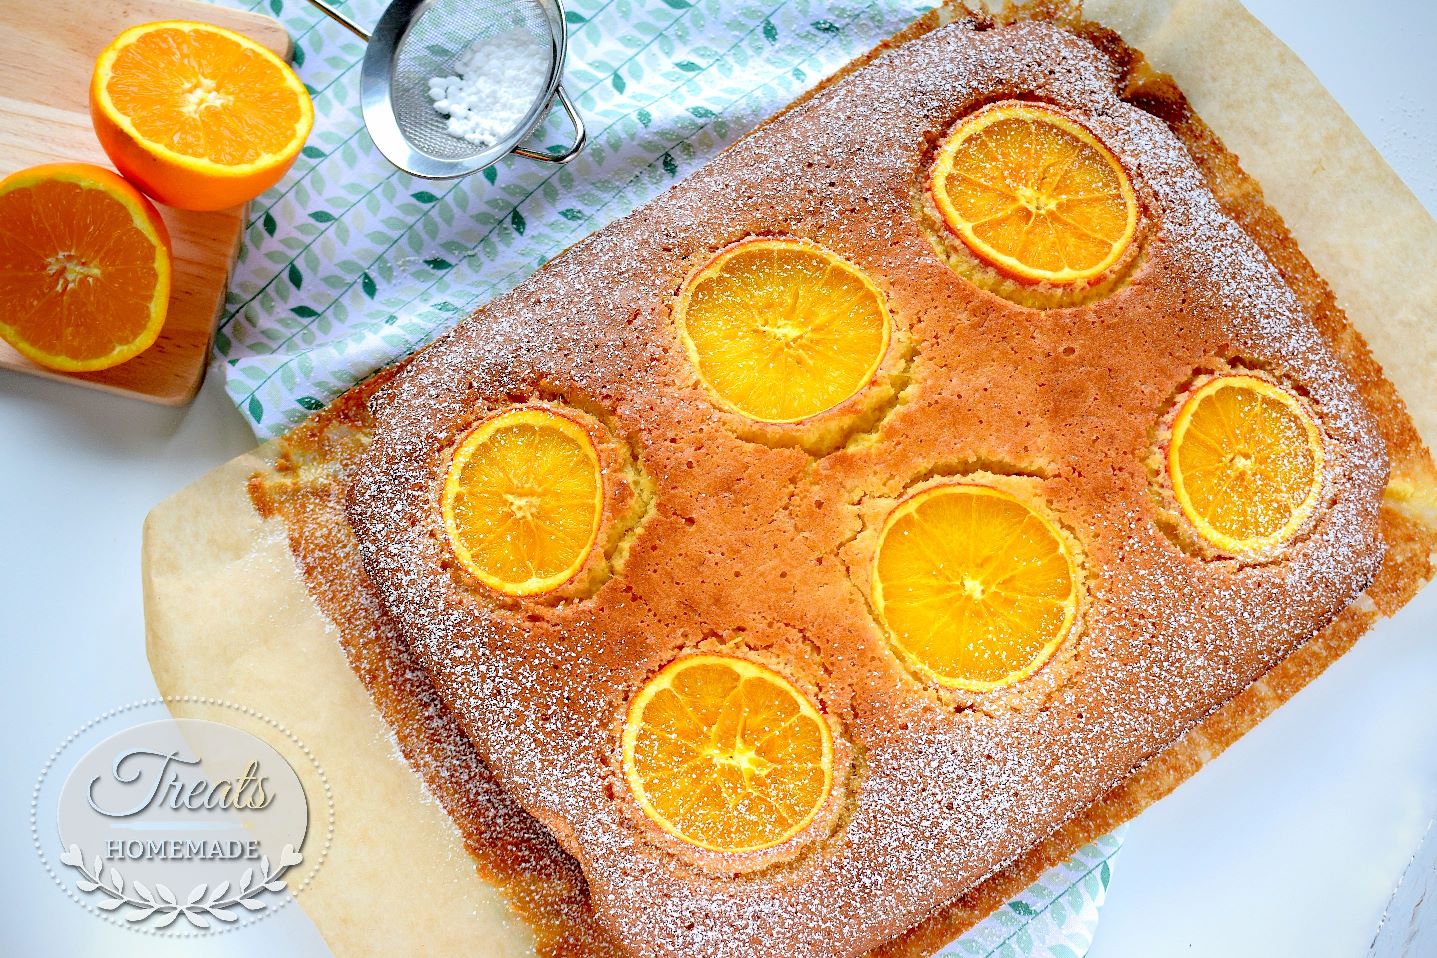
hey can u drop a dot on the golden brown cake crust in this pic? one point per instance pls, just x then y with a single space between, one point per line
762 548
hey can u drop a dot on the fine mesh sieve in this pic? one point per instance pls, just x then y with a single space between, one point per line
417 40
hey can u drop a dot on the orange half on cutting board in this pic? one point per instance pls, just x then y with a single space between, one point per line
199 117
84 267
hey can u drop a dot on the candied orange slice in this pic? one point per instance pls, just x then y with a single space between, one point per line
1034 194
198 116
522 500
727 754
85 267
781 329
1246 463
975 587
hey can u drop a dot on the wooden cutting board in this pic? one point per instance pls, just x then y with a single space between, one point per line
47 53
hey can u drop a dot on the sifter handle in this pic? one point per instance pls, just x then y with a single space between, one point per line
340 19
580 136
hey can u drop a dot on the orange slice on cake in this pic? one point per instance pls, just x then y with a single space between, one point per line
726 754
84 267
975 587
1246 463
522 500
199 117
781 330
1034 194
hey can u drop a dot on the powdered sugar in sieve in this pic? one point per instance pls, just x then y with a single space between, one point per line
494 84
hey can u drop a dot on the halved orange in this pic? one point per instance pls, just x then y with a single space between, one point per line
84 267
199 117
1034 194
522 500
782 329
1246 463
727 754
975 587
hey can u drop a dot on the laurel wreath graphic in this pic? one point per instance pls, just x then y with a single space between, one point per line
140 902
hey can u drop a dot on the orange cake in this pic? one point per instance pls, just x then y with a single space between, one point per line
806 547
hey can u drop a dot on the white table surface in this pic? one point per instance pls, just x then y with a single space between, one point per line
1289 844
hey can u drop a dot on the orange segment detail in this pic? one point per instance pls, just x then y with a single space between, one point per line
1246 463
1034 194
727 754
975 587
781 330
522 500
84 267
200 117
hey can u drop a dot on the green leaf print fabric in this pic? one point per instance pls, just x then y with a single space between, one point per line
348 264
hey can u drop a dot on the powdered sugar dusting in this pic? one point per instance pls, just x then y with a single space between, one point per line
742 551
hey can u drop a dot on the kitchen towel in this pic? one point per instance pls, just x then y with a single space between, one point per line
348 264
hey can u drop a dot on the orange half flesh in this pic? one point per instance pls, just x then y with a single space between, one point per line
200 117
84 267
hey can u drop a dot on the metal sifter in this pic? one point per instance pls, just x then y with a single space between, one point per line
416 40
